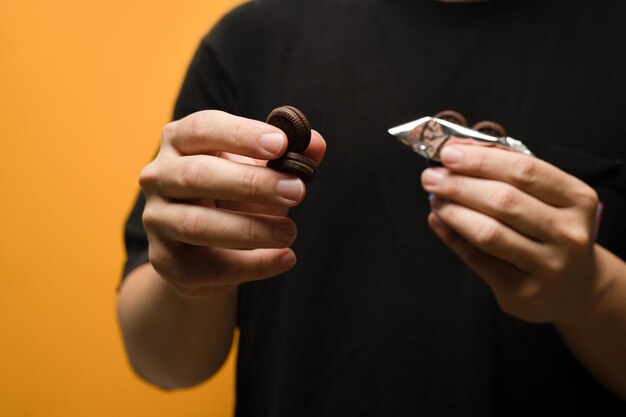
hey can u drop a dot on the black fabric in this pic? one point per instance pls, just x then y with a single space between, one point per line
379 318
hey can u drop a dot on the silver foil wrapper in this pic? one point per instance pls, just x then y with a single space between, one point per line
428 135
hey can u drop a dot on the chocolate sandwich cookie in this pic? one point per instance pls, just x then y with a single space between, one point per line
452 117
298 130
295 125
295 163
490 128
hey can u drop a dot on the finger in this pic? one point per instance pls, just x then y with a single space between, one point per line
489 235
315 151
210 177
316 148
531 175
213 227
197 271
501 276
211 131
253 208
242 207
481 262
497 199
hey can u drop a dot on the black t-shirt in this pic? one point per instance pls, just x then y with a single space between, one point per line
378 317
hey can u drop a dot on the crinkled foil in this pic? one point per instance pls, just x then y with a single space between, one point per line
428 135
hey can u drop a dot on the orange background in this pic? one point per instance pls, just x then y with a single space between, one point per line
85 87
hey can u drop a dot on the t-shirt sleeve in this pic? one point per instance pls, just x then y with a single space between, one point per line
208 84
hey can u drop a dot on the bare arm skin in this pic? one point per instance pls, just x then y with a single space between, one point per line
527 229
173 341
215 217
598 337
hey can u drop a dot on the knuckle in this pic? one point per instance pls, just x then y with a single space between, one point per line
551 221
504 199
198 125
588 198
150 218
259 268
448 212
190 224
554 265
168 132
148 177
482 162
237 134
248 231
524 172
577 237
193 173
251 182
455 184
489 234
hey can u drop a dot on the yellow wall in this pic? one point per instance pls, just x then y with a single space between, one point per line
85 87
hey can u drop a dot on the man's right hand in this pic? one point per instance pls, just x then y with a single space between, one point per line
215 216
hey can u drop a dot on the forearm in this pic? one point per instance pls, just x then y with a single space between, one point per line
173 342
598 338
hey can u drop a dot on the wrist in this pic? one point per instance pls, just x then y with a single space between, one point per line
594 303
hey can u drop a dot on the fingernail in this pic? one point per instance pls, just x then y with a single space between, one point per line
272 142
432 176
451 155
284 233
290 188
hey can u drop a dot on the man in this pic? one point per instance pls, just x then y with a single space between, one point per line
377 317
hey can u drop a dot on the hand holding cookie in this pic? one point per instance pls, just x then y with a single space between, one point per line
215 215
